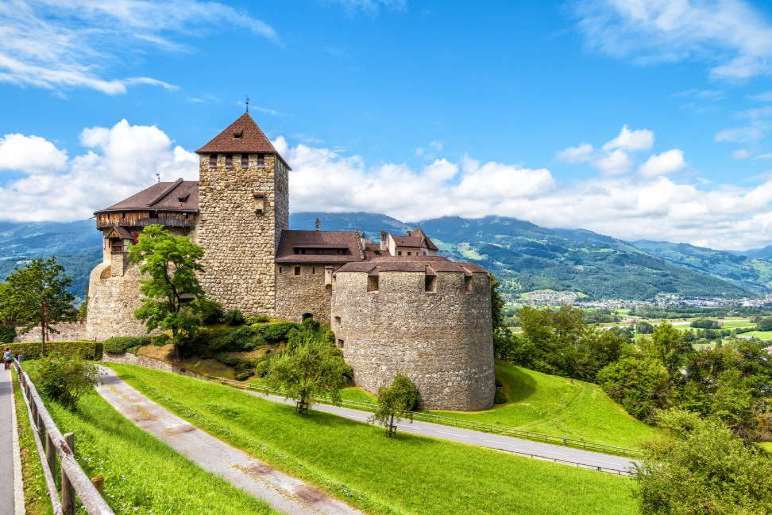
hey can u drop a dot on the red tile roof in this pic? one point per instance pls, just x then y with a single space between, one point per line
414 239
313 243
243 136
423 264
163 196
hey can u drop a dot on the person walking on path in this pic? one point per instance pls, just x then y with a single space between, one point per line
7 358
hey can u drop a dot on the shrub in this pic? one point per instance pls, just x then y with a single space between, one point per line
499 397
85 349
233 317
7 333
705 323
258 319
395 401
121 344
276 332
638 384
211 312
64 378
243 375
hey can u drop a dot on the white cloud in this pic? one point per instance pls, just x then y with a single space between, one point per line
741 154
631 140
118 161
30 153
747 134
733 37
763 97
58 44
371 6
578 154
616 162
663 164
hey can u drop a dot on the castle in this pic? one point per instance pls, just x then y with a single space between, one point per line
394 306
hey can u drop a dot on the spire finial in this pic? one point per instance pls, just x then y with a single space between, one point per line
246 103
318 224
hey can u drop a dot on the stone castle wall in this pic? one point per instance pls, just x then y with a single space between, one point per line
112 301
442 340
303 293
67 332
240 244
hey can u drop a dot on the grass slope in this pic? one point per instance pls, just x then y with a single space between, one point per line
141 474
558 406
36 500
359 464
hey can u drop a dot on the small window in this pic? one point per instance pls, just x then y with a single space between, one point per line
212 160
244 161
430 283
409 253
468 283
229 161
340 343
297 270
337 320
281 269
313 270
260 160
399 252
372 283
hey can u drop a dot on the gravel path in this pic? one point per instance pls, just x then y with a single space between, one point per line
545 451
284 493
9 482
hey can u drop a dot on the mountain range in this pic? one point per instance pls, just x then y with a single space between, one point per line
523 256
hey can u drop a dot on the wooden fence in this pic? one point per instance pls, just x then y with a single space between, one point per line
55 448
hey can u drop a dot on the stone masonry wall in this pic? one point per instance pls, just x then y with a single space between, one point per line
68 332
240 244
112 301
442 340
304 293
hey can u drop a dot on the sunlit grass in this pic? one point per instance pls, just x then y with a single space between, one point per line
359 464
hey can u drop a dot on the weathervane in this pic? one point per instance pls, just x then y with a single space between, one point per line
246 103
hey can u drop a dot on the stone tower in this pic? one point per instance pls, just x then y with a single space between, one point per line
243 208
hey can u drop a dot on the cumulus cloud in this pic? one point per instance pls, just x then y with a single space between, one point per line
663 164
116 162
741 154
32 154
631 140
616 162
578 154
733 37
56 44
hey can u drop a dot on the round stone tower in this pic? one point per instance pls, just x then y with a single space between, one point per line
426 317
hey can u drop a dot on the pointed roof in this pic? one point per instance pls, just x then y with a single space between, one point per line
243 136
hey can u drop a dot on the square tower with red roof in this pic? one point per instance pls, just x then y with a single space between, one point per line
243 208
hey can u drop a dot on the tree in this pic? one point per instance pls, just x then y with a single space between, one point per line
639 384
172 295
764 324
38 296
7 314
65 379
497 305
702 468
310 367
395 402
667 345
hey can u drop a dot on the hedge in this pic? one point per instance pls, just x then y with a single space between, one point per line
120 344
86 349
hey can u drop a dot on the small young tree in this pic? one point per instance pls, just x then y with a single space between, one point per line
309 368
38 296
395 402
65 379
170 288
702 468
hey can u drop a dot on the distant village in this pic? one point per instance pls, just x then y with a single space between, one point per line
663 300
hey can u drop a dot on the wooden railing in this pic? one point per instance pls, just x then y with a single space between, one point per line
55 448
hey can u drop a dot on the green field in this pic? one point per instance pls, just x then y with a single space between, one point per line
141 474
558 406
736 323
761 335
358 463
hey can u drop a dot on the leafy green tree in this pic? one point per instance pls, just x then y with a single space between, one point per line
396 401
639 384
65 379
172 295
702 468
667 345
310 367
7 314
644 327
37 295
497 305
764 324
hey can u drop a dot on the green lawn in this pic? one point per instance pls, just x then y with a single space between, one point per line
558 406
736 323
358 463
761 335
141 474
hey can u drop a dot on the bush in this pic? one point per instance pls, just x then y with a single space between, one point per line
764 324
211 312
638 384
85 349
258 319
7 334
276 332
233 317
499 397
705 323
64 378
121 344
243 375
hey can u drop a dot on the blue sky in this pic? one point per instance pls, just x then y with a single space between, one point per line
416 109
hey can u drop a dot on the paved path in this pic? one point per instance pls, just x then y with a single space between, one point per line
9 458
282 492
588 459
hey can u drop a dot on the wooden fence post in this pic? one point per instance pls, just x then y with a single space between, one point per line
68 492
50 452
